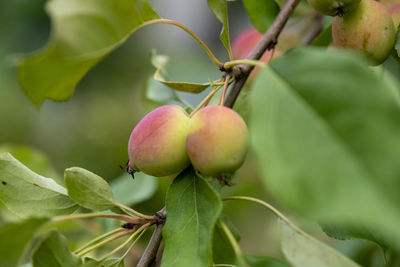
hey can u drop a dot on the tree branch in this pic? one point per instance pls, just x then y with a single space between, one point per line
268 41
152 247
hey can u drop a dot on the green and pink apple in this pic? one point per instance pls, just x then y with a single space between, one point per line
369 29
157 143
217 141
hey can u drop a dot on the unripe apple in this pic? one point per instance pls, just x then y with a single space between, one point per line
217 141
334 7
157 143
369 29
395 12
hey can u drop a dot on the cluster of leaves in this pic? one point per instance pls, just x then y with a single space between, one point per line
40 202
325 132
193 230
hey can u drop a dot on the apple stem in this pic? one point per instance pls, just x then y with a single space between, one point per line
233 242
105 241
140 231
205 100
95 215
230 64
226 83
97 239
213 58
131 211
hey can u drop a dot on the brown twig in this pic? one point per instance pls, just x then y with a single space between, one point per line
268 41
152 247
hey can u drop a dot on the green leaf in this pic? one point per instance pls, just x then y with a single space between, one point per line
28 194
223 252
262 13
159 62
264 261
346 232
242 104
155 94
34 159
301 249
15 238
131 191
326 132
54 251
324 39
83 32
88 189
220 9
193 209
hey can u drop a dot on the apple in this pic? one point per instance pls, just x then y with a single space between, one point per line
157 143
368 29
217 141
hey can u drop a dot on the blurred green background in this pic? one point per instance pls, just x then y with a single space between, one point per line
91 130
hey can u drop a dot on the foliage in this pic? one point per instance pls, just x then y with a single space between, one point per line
324 129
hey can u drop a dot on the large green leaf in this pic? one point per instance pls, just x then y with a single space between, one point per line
28 194
301 250
32 158
220 9
15 238
131 191
345 232
193 209
88 189
54 251
261 13
83 32
326 132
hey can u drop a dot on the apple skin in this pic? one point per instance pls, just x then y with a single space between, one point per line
394 10
157 143
334 7
369 29
217 141
389 3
